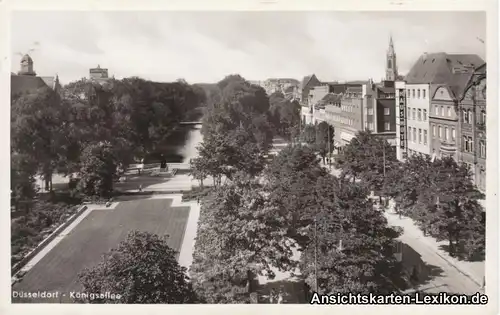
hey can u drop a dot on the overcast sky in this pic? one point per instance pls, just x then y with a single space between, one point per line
206 46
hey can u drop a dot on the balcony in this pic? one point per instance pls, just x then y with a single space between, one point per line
448 147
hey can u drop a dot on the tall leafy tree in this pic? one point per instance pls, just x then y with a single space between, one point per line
98 169
324 139
238 236
36 121
143 269
369 158
308 134
290 182
285 115
350 246
22 179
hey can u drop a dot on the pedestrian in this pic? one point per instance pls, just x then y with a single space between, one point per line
280 296
140 187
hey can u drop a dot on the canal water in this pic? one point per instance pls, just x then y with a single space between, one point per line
179 147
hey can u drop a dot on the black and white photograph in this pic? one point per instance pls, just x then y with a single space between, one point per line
251 157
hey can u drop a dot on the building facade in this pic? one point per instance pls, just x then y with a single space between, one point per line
443 121
307 108
472 126
429 71
307 84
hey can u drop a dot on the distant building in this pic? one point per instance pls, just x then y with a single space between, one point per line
99 74
278 85
416 92
307 84
26 80
355 106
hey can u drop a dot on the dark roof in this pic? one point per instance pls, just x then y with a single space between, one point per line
437 68
481 68
354 89
386 89
457 83
331 98
26 83
305 80
357 82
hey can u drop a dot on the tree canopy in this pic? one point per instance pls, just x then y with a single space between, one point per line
134 116
143 269
441 197
284 115
239 235
354 243
367 157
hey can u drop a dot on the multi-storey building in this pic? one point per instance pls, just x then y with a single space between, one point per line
430 70
344 112
443 114
316 94
381 111
472 126
308 83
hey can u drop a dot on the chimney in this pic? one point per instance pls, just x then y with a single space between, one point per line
424 56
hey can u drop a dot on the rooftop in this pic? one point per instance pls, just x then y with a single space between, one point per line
437 68
25 83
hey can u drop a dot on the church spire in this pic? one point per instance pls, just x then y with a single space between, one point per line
391 45
391 70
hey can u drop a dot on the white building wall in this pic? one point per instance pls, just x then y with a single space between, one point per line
306 113
414 103
317 93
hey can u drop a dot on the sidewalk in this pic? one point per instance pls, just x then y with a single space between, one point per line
473 270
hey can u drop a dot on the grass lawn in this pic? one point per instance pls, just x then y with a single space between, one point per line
99 232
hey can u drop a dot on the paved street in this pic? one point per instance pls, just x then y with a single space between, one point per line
441 275
441 272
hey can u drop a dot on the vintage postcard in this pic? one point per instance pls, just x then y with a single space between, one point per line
330 157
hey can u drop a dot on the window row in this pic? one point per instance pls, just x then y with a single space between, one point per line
417 114
443 133
387 111
417 95
440 111
422 135
339 119
468 146
468 116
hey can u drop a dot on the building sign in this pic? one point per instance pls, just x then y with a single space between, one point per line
402 119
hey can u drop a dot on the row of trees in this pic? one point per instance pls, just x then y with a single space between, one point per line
239 234
250 226
437 193
237 131
92 129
